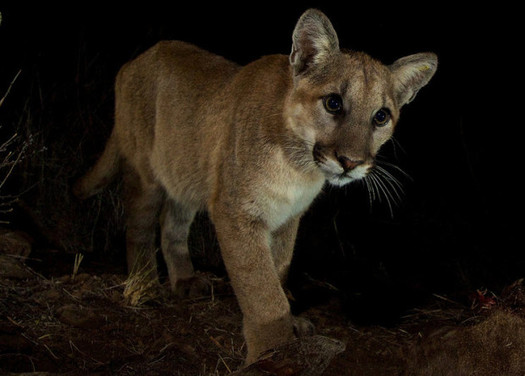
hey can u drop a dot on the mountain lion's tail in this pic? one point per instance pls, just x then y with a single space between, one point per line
102 173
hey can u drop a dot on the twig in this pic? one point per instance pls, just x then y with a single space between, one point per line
225 365
73 346
445 299
14 322
217 343
51 352
12 81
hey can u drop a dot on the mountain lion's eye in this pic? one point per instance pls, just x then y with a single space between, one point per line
381 117
333 103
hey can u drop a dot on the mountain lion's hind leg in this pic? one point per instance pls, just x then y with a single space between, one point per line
176 220
142 204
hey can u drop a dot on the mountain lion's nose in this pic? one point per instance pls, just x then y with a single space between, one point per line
347 163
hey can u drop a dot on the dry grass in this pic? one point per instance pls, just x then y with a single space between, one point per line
11 151
76 265
52 133
140 288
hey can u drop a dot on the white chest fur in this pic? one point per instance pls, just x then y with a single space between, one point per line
293 200
282 192
286 199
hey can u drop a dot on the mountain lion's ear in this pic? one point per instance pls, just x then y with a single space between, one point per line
411 73
314 40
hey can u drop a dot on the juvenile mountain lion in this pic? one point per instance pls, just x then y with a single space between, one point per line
253 145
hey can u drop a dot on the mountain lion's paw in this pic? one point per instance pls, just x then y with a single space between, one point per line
303 327
193 287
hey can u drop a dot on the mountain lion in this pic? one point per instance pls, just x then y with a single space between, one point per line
253 145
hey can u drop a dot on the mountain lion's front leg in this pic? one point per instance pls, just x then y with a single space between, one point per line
283 242
245 247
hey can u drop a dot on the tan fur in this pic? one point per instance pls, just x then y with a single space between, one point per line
253 145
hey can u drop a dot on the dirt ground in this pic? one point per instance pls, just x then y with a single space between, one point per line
65 316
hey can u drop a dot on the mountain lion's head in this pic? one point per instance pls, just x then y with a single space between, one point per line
345 104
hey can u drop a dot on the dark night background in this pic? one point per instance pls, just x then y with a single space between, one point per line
458 226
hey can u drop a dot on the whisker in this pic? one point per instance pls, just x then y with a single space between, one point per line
375 183
386 163
300 151
388 195
375 193
381 185
382 188
391 180
395 145
394 183
368 190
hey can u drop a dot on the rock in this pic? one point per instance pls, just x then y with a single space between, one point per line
15 243
78 317
11 267
495 346
49 296
306 356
